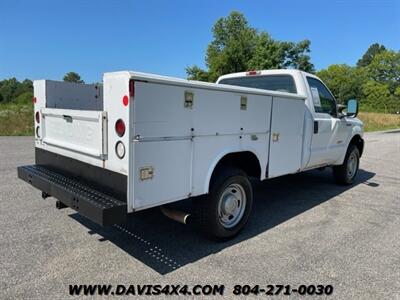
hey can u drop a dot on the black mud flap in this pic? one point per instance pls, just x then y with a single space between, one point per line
94 205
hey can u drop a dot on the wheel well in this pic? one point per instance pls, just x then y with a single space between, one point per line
246 161
359 142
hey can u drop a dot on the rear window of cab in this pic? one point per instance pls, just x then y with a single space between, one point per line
280 83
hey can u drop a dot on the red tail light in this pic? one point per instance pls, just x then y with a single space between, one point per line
120 127
125 100
37 117
34 100
253 73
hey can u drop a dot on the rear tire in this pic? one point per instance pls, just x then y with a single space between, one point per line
347 172
225 210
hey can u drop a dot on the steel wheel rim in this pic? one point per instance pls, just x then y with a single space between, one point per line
231 205
352 165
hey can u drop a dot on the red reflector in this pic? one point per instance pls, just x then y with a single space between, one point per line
34 100
37 117
253 72
131 88
125 100
120 127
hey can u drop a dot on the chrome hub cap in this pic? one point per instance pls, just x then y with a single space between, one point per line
352 165
231 206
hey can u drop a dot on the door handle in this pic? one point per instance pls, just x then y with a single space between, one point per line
315 126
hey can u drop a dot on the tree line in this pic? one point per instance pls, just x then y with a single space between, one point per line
12 90
237 47
375 80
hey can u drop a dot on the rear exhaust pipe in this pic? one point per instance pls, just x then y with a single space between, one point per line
176 215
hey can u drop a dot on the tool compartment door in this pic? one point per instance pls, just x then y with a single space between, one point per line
82 132
286 138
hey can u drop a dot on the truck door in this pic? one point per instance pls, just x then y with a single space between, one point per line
286 138
328 136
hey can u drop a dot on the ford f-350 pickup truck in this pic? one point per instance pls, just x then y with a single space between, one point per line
140 140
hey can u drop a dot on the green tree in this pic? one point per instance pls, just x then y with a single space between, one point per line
381 91
377 97
397 92
238 47
345 82
297 56
268 54
369 55
196 73
24 98
24 86
8 89
231 48
73 77
385 68
376 85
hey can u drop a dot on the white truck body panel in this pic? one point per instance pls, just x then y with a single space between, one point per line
286 137
116 87
180 143
184 144
79 131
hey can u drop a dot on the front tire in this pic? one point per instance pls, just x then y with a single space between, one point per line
347 172
225 210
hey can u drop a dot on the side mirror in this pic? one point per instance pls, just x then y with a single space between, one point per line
352 108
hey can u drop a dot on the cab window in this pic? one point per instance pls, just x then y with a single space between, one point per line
281 83
322 98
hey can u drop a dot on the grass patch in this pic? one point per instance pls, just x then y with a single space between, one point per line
379 121
16 119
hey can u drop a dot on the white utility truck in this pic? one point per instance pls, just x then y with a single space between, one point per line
142 140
